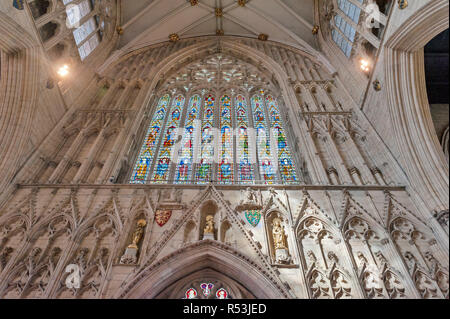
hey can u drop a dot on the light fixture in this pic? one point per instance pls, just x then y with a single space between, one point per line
64 70
365 65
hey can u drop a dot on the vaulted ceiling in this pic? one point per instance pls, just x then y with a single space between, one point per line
147 22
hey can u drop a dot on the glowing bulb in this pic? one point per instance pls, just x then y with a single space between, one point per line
365 65
64 70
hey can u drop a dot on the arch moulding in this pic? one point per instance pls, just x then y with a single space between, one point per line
420 150
203 255
19 56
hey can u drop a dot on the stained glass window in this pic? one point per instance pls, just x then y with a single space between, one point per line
186 159
285 165
243 154
262 140
147 153
165 157
204 172
227 150
226 167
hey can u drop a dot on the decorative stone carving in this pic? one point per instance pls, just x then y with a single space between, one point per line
249 200
423 282
442 218
370 278
4 256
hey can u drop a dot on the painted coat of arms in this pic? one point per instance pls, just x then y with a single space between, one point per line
18 4
253 217
162 217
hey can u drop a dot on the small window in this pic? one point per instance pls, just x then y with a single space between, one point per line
89 46
84 31
76 12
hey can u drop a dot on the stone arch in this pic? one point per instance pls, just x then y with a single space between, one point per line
408 103
19 56
152 280
328 227
224 231
90 224
371 231
445 142
189 232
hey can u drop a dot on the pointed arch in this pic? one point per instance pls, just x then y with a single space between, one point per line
149 282
273 81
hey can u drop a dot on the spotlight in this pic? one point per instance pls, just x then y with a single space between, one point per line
64 70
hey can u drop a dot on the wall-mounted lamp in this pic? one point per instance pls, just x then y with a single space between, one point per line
63 71
365 65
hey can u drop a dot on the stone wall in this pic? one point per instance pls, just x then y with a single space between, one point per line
359 242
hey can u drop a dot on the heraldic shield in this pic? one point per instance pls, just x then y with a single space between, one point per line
253 217
162 216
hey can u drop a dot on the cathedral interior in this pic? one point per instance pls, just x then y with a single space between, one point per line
224 149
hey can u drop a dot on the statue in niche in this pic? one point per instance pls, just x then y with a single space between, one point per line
279 238
208 231
279 242
130 255
137 235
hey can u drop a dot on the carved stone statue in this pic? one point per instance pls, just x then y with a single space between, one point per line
209 228
130 255
279 242
137 235
279 238
208 231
